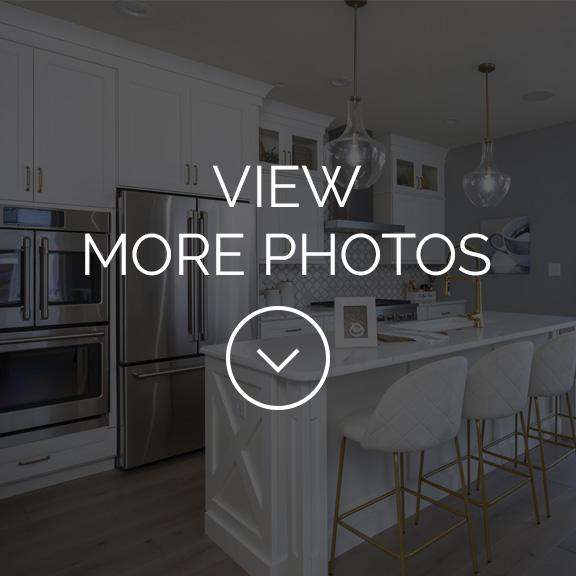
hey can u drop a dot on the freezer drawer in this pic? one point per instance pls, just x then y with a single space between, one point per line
162 412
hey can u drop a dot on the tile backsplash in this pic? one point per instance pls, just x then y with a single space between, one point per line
319 285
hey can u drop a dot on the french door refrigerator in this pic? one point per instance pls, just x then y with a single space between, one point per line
165 319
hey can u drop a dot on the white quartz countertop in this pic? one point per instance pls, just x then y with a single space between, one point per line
498 327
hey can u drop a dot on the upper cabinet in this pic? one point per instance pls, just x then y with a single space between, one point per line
411 192
57 143
173 130
290 136
291 141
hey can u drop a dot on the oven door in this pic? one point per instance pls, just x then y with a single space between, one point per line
49 377
16 271
64 294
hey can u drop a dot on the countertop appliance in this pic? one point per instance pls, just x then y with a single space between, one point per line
387 310
54 373
166 318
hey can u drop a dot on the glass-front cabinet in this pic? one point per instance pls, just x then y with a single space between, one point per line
286 141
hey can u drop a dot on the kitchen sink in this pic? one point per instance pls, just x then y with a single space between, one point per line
436 324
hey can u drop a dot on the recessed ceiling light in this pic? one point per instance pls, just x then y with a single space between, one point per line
340 81
537 95
134 9
452 121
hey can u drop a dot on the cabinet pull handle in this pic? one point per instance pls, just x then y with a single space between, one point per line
195 175
445 313
187 174
39 179
293 330
284 157
27 178
289 158
38 460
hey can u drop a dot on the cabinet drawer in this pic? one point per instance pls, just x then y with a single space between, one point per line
445 310
281 328
44 457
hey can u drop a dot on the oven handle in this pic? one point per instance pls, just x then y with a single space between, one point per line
142 375
26 312
50 338
44 251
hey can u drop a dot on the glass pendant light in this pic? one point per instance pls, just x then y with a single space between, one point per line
486 185
355 147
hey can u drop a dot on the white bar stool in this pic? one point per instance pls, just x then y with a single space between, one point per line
496 387
552 376
418 412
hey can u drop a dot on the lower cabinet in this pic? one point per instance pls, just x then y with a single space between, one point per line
441 310
294 326
34 465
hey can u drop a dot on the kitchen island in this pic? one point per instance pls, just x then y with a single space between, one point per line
271 475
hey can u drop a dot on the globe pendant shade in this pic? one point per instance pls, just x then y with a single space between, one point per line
355 148
486 185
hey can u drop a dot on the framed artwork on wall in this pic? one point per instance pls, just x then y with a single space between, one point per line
355 322
508 245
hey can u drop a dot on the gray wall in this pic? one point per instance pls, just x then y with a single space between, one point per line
542 164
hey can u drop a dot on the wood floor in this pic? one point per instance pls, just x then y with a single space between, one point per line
149 522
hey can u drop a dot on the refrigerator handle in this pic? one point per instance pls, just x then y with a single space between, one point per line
44 251
192 275
26 311
202 283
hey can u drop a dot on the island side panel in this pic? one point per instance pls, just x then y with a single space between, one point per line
266 473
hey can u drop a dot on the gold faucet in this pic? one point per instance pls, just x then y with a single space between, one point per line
477 314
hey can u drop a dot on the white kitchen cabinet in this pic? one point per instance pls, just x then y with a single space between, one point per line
58 128
307 218
16 120
174 129
291 136
287 327
411 192
154 130
298 136
441 310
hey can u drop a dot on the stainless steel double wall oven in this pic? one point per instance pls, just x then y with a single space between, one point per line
54 322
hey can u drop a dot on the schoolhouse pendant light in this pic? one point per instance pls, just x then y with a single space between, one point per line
355 147
486 185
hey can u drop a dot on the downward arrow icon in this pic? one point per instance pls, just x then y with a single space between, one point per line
276 367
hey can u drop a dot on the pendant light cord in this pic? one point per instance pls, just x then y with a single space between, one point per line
487 111
355 50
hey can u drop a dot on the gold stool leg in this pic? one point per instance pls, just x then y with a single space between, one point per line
542 461
420 474
515 440
483 484
571 418
529 462
337 505
468 455
480 444
399 511
402 492
466 504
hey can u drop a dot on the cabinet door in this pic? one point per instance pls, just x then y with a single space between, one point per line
74 131
154 130
16 120
414 171
220 135
421 216
307 218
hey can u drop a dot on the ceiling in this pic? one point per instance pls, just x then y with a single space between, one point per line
417 59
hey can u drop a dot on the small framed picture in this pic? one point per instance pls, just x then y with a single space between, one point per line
355 322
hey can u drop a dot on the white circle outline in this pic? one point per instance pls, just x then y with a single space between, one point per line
291 311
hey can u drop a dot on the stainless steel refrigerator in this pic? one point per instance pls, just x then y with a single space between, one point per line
166 319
